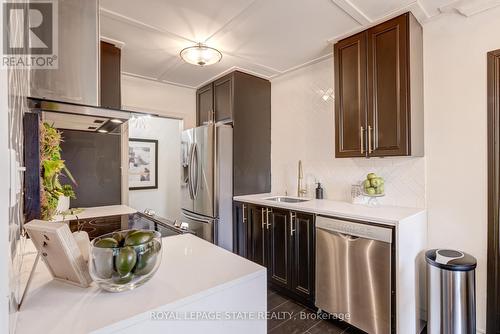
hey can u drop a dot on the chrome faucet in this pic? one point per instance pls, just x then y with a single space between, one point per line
300 191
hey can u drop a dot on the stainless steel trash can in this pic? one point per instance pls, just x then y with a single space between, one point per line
451 292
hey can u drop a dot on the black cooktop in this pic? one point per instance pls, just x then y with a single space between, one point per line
96 227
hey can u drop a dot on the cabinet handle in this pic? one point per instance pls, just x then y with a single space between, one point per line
292 218
370 132
211 116
244 218
263 218
362 139
267 218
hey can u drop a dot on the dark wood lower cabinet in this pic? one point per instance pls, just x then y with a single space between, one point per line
258 237
240 229
281 240
303 255
279 248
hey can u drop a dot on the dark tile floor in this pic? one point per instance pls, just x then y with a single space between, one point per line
288 317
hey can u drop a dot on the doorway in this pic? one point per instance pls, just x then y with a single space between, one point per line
493 288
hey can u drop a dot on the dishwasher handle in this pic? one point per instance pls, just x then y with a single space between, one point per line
365 231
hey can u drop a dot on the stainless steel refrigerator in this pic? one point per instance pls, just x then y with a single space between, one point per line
207 182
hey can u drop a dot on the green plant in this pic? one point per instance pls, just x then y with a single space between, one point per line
53 168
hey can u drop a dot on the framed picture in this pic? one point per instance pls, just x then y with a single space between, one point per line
142 164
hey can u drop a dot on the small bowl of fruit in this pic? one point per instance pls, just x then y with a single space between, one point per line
124 260
373 186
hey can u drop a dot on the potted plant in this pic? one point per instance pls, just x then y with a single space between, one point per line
54 195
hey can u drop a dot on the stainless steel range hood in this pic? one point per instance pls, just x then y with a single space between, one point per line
76 80
71 116
69 95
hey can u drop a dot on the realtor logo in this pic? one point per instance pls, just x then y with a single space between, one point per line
29 34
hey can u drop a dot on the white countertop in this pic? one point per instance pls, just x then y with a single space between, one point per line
390 215
191 268
97 211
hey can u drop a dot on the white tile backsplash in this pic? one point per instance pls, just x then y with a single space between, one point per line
303 128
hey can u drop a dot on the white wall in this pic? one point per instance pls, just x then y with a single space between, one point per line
170 101
456 140
159 98
302 126
165 200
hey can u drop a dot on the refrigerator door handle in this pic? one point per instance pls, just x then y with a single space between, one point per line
196 170
190 172
198 218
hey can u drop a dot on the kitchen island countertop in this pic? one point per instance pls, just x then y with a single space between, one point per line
194 275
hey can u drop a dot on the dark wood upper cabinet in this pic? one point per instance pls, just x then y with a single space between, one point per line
350 96
245 101
223 98
379 91
388 112
204 104
110 88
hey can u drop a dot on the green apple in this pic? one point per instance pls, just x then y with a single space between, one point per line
371 176
370 191
375 182
380 189
367 184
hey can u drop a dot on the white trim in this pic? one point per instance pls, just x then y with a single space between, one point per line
139 76
415 8
232 69
126 19
308 63
468 8
115 42
350 9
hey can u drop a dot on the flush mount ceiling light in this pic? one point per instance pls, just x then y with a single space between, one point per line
201 55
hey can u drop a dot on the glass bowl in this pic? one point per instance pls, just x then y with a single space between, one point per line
124 260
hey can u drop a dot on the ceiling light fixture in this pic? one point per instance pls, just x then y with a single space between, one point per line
201 55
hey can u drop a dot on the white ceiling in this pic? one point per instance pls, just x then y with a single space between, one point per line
264 37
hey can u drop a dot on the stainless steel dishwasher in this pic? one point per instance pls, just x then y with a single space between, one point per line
353 273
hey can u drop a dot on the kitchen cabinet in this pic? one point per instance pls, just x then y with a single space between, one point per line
240 229
303 254
110 76
258 237
281 240
223 98
280 248
379 91
350 99
204 104
244 101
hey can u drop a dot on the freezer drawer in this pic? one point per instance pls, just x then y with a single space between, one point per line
353 273
204 227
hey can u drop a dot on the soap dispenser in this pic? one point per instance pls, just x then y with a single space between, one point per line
319 191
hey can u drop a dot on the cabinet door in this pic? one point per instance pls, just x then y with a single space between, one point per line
240 229
257 240
110 76
279 247
303 265
223 98
350 96
204 104
388 88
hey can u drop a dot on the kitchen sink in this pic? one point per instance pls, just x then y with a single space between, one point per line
286 199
